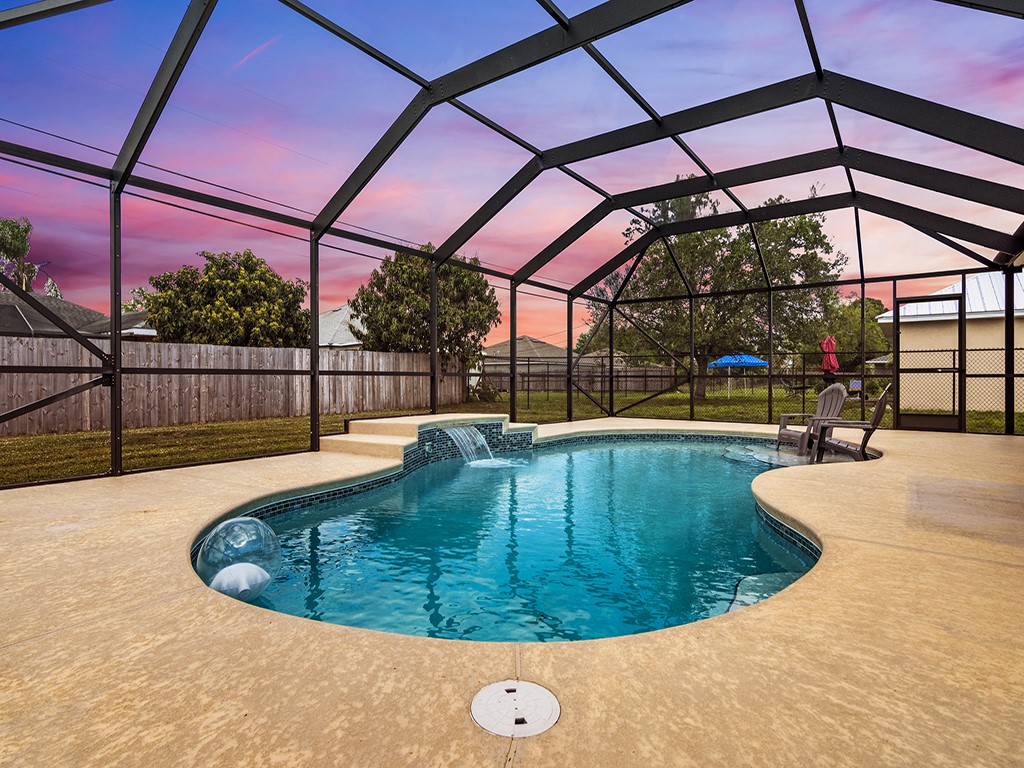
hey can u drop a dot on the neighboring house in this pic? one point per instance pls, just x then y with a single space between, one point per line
527 347
133 327
335 331
540 366
18 318
928 337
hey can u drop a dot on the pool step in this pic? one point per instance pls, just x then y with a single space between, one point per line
388 438
381 446
391 427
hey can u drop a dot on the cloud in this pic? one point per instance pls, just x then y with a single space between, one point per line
253 53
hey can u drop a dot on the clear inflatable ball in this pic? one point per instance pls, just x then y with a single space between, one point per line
240 558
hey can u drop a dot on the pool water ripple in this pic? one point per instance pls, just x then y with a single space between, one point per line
562 543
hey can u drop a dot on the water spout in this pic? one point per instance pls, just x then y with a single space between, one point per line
470 442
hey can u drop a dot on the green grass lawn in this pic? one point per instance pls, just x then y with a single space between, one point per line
36 458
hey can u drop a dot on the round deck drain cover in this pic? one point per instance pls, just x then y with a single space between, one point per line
515 708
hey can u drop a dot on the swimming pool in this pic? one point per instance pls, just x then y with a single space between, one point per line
560 543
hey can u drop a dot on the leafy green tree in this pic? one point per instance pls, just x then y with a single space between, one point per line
237 299
393 308
844 324
795 250
14 248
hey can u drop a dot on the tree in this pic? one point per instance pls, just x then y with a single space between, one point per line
845 326
795 250
14 247
393 308
237 299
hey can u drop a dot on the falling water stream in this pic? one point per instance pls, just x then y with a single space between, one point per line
471 443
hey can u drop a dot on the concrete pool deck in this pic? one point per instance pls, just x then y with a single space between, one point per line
903 646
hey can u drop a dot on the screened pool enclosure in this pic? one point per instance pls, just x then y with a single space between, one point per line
647 185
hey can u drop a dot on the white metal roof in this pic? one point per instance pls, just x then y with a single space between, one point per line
985 298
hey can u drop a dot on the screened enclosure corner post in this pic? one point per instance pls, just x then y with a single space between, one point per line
693 359
771 356
568 358
863 314
114 360
611 359
433 338
314 342
512 351
863 353
962 344
895 360
1009 365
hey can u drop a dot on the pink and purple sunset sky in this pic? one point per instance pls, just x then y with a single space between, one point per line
271 105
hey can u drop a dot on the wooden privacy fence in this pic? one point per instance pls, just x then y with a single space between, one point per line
163 399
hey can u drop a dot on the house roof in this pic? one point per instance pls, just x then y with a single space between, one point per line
985 297
132 324
18 318
526 347
334 328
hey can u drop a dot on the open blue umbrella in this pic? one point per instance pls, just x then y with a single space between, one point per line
737 361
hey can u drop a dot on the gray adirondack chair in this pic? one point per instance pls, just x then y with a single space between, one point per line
825 441
830 405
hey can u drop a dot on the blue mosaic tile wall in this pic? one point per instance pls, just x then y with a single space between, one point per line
655 437
791 535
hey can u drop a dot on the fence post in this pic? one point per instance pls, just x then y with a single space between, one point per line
529 383
803 382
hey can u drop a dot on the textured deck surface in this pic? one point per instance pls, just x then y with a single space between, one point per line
903 646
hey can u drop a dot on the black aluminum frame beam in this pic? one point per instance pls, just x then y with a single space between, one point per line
937 120
364 47
915 217
878 205
585 27
954 125
1003 258
598 22
51 399
965 187
955 246
812 49
173 64
1002 7
171 190
807 286
731 108
636 324
752 102
772 169
53 317
923 176
24 14
718 221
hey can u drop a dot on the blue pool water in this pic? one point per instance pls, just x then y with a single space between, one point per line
557 544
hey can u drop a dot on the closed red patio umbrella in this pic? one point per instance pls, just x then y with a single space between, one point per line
829 362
